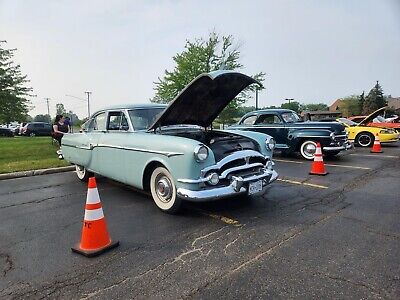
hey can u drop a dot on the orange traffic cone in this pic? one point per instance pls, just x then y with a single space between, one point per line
95 238
376 148
318 167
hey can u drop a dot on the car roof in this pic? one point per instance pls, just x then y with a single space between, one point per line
134 106
269 110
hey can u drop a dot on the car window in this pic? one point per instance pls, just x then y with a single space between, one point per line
268 119
143 118
117 121
249 120
98 123
38 125
290 117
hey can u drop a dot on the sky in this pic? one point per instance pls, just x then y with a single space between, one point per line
312 51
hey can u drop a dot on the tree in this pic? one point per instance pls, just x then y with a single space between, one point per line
13 89
361 101
42 118
60 109
314 107
374 99
294 105
350 106
203 56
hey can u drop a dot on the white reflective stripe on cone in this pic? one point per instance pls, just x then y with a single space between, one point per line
318 158
93 214
318 150
92 196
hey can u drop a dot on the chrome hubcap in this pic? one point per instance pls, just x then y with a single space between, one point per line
164 189
309 149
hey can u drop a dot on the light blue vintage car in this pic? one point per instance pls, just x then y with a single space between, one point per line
172 151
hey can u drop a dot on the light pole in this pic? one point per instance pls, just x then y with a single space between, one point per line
256 97
88 102
289 99
48 108
82 99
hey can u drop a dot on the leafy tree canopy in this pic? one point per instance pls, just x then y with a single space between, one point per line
374 99
350 106
13 89
314 107
293 105
42 118
203 56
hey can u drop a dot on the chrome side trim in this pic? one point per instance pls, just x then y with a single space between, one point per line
166 153
91 147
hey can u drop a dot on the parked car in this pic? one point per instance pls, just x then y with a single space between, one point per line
171 151
4 131
36 128
364 136
377 120
293 135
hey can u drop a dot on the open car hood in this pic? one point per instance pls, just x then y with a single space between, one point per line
372 116
202 100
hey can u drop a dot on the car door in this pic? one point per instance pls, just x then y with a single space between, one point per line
90 140
273 125
111 146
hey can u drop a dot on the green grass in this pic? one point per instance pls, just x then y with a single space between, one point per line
28 153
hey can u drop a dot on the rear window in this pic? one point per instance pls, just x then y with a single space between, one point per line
38 125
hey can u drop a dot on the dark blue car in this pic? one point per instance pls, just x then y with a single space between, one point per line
293 135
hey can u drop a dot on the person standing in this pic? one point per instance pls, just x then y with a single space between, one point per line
59 129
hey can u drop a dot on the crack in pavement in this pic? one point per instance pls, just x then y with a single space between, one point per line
8 263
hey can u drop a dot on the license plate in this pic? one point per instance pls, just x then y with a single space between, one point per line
255 187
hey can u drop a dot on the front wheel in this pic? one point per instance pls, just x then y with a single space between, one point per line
163 191
32 134
364 139
307 149
82 173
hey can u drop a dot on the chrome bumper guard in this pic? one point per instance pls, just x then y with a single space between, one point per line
238 185
345 146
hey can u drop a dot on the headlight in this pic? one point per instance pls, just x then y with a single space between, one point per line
386 131
332 135
213 179
270 143
201 153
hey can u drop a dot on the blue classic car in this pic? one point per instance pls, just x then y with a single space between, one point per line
293 135
172 151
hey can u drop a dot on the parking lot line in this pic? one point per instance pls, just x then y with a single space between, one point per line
289 161
372 155
329 165
346 166
303 183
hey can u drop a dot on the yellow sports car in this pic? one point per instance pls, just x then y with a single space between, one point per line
363 135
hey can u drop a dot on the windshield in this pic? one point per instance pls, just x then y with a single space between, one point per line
142 118
347 122
380 119
290 117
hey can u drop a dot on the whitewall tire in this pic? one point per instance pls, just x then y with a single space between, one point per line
163 191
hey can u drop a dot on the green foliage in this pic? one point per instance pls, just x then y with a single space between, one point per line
203 56
293 105
361 102
13 92
42 118
374 99
350 106
314 107
61 109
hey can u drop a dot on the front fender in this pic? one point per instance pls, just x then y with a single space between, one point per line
295 137
258 137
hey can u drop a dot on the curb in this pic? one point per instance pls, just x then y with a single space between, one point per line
36 172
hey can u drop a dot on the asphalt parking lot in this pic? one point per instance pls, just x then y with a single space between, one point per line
334 236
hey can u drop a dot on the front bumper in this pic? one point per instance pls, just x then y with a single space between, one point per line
238 185
345 146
